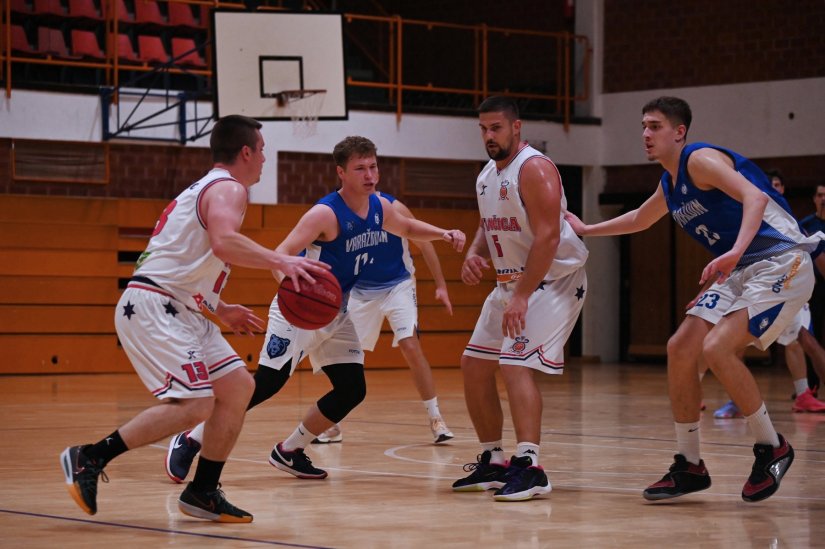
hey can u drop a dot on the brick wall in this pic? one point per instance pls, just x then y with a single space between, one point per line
136 171
654 44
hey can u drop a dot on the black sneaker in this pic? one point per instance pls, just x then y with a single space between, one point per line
483 475
682 478
295 463
523 481
181 454
770 466
81 477
211 506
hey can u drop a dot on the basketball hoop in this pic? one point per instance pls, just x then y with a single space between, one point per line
303 108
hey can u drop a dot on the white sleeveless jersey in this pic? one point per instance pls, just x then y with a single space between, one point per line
507 228
179 257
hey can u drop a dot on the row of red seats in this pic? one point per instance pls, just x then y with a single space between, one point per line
84 45
178 14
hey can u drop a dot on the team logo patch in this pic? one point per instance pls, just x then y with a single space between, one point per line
276 346
520 345
377 220
502 192
350 226
684 188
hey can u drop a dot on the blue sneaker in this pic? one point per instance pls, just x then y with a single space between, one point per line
181 454
523 481
728 411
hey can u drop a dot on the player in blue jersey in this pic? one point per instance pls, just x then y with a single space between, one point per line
386 288
343 230
760 276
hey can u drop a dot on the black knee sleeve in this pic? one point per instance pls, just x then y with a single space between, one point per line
268 381
349 387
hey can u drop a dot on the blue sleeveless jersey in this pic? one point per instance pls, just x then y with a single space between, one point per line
356 241
713 218
390 262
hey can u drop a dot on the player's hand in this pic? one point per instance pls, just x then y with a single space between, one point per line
575 223
299 268
471 269
719 269
456 238
442 296
514 320
239 319
692 303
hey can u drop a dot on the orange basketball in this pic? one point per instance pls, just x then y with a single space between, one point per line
315 306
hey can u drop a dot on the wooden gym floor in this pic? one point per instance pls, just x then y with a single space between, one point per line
607 434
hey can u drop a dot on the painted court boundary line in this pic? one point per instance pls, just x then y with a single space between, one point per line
164 530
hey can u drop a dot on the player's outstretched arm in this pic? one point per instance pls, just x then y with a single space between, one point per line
643 217
415 229
431 259
319 223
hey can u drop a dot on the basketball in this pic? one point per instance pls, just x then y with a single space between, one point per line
316 304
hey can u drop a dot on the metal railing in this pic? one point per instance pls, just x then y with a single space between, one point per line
561 48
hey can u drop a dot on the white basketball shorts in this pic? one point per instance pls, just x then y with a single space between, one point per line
335 343
398 304
552 311
177 352
772 290
791 331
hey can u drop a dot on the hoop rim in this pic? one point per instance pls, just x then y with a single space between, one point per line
287 96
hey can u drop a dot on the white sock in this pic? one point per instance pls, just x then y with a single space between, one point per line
687 441
528 449
800 386
496 450
762 428
196 434
299 438
432 407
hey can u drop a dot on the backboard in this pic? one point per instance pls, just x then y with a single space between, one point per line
259 54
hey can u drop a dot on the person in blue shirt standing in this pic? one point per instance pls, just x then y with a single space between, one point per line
343 229
386 288
760 276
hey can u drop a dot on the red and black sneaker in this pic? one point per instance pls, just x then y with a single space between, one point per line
682 478
770 466
81 475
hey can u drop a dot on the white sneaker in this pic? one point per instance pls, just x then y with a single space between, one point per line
439 429
333 434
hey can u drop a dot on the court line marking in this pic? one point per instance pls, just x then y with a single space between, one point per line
164 530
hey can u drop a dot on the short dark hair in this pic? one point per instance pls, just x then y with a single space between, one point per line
777 174
676 110
354 145
230 134
499 103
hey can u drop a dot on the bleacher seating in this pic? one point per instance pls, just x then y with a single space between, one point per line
184 53
85 44
60 278
20 42
151 49
85 9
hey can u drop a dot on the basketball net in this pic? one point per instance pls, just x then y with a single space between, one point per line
303 108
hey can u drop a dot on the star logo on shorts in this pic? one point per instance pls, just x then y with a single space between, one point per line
580 293
170 309
128 310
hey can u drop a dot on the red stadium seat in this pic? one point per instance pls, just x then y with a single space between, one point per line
181 46
123 13
180 15
125 51
20 6
84 8
51 42
151 50
84 44
148 11
48 7
20 42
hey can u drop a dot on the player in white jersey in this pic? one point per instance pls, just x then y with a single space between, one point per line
180 355
760 277
529 315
